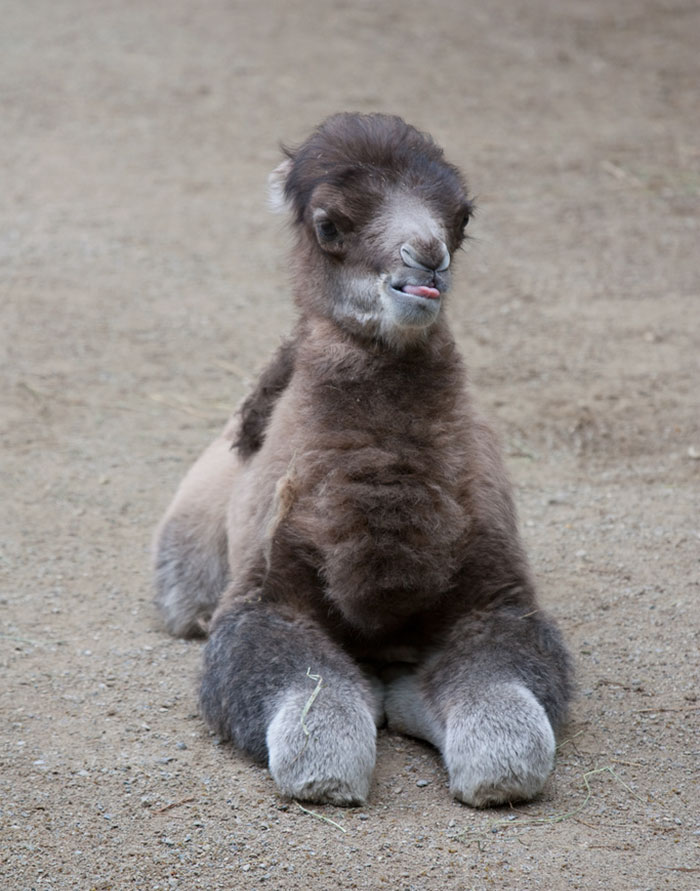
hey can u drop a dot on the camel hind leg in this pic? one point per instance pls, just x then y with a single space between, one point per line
190 548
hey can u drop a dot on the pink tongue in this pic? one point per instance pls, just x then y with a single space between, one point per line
421 291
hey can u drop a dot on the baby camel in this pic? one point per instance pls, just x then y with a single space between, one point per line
349 543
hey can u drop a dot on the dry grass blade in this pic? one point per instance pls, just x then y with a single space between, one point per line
557 818
311 699
16 639
619 173
569 739
320 817
307 707
652 711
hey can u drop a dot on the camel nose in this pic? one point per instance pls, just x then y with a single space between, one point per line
433 258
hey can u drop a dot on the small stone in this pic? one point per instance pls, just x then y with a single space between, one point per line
422 783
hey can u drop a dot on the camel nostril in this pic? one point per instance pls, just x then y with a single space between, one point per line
436 258
409 257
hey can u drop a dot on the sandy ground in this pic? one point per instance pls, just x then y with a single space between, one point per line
143 284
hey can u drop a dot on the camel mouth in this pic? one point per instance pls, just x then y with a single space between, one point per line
411 305
422 292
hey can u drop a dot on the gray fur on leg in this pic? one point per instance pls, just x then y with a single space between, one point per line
500 748
190 574
406 710
334 762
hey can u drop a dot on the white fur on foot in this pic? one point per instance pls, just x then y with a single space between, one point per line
499 749
334 763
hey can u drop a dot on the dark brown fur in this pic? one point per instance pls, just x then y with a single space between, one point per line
257 408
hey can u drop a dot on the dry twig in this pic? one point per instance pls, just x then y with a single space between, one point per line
168 807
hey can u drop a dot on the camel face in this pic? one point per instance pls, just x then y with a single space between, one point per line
378 222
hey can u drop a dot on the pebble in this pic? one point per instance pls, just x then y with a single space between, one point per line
422 783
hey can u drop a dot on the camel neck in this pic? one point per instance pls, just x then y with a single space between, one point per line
332 352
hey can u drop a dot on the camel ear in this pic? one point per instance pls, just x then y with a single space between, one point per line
276 199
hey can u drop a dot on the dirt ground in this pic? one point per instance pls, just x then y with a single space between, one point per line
143 284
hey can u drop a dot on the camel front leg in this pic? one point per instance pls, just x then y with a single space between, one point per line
283 692
490 699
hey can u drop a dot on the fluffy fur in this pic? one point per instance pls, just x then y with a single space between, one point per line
355 523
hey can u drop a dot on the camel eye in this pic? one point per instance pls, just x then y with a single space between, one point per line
465 220
326 230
